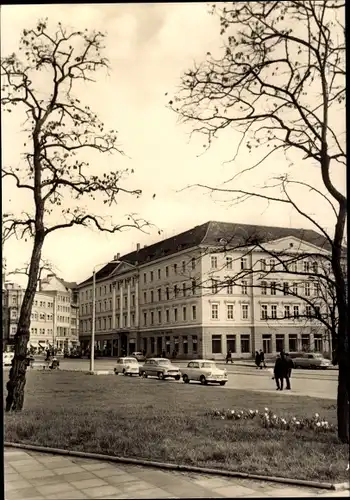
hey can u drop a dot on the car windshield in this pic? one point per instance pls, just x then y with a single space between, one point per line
164 362
208 365
130 360
318 355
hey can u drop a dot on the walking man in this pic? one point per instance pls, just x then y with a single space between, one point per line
290 366
229 356
262 359
257 359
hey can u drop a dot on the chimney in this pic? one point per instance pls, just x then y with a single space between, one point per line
116 257
137 247
144 246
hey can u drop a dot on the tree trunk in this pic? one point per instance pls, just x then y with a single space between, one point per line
17 377
343 403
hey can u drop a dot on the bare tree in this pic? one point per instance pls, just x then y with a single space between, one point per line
279 59
60 129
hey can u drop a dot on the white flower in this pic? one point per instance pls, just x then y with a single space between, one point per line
238 416
251 411
316 415
256 411
223 418
297 422
283 421
266 409
294 418
318 424
232 411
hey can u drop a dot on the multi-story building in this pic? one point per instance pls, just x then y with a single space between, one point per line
55 313
205 291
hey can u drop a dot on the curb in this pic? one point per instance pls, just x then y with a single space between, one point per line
178 467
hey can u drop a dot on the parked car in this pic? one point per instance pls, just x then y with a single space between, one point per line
139 356
311 360
161 368
127 366
7 358
204 371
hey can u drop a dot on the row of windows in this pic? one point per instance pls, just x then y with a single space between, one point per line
63 309
41 331
305 266
174 316
175 269
215 311
293 288
270 311
216 343
182 344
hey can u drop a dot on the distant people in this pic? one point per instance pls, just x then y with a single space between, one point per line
262 359
144 352
290 366
277 372
47 355
174 353
229 356
257 359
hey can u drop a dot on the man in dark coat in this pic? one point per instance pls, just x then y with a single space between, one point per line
262 359
290 366
257 359
281 371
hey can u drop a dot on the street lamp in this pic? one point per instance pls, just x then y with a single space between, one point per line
92 350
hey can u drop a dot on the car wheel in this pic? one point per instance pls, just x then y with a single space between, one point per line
144 375
186 379
203 380
177 377
222 383
161 375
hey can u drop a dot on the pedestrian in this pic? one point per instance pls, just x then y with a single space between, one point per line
229 356
282 371
144 352
257 359
262 359
277 371
290 366
47 355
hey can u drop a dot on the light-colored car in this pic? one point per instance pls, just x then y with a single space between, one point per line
127 366
7 358
203 371
311 360
161 368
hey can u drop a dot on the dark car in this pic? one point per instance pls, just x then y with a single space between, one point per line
161 368
139 356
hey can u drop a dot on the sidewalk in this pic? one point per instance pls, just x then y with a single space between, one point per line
39 476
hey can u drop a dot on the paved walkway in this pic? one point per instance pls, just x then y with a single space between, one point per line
33 476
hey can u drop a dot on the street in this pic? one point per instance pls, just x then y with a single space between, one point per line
313 383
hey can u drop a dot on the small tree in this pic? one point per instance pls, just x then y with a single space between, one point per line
60 128
278 57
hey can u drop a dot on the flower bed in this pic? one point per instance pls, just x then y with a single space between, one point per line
269 419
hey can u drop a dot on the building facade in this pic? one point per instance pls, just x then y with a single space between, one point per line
55 313
204 292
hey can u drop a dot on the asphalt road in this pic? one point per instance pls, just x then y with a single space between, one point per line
313 383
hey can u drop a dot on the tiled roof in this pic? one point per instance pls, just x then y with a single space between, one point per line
210 234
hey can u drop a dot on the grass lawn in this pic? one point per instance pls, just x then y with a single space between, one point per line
166 421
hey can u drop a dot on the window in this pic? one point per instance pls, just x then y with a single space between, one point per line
184 313
285 288
159 317
167 315
229 289
167 293
167 272
267 344
167 345
273 287
264 311
307 289
229 311
214 262
144 277
14 301
152 317
306 266
245 311
272 264
159 274
296 311
194 343
244 288
244 263
194 312
279 343
317 311
145 319
318 342
184 291
245 344
183 266
159 292
305 342
185 344
273 312
263 287
287 311
175 314
152 296
315 267
215 311
176 291
229 262
216 344
231 343
308 311
152 344
263 264
151 275
316 289
293 342
175 268
144 341
193 263
193 286
295 288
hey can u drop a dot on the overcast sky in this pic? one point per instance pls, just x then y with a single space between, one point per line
149 46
